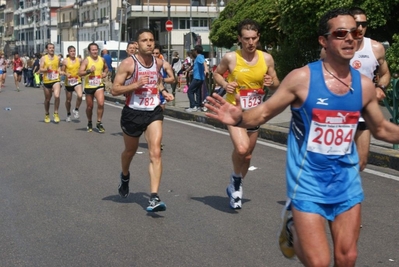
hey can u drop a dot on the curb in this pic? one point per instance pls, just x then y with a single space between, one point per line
378 156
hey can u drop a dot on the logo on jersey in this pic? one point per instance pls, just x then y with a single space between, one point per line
339 119
356 64
321 101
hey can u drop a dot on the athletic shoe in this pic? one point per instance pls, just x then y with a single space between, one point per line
89 127
155 204
100 127
76 114
123 188
234 191
17 89
204 109
194 109
56 118
285 239
68 119
47 118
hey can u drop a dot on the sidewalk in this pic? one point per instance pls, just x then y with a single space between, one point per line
276 130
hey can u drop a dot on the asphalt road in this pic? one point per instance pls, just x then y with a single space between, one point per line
60 205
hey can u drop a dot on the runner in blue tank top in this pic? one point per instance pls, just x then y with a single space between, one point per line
323 183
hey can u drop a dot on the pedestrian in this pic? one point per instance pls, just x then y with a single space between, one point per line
50 68
166 72
73 82
139 79
25 59
322 172
369 58
108 60
94 69
3 67
18 66
249 70
200 70
37 77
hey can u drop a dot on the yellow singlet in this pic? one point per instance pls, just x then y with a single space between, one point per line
94 80
72 70
52 64
247 76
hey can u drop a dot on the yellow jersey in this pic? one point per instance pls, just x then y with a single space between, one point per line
52 65
247 77
94 80
72 70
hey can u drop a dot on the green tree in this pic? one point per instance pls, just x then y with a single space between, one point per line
292 25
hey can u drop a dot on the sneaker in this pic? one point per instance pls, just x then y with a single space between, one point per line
89 127
18 89
204 109
155 204
68 119
234 191
194 109
123 188
47 118
285 239
76 114
83 97
56 118
100 127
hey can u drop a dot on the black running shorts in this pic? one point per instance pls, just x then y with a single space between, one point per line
49 85
71 88
135 122
361 126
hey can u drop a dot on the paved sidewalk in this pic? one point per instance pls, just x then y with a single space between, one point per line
381 153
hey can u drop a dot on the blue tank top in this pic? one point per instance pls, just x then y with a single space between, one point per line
322 161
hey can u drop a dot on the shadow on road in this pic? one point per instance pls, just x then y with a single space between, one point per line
218 203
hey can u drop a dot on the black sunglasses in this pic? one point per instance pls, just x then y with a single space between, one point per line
363 23
343 33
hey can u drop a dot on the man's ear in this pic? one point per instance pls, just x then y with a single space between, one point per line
323 41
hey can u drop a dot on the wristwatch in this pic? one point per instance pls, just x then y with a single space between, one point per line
382 87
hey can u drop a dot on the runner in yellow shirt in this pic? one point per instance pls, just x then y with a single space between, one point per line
94 69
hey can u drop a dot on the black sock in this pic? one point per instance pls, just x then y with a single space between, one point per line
154 195
76 109
69 114
127 177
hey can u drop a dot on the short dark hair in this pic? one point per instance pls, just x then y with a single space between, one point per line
357 11
324 26
88 47
49 44
159 47
247 24
141 31
199 49
70 47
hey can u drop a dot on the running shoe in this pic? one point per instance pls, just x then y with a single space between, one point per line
68 119
76 114
100 127
155 204
285 239
234 191
123 188
194 109
47 118
56 118
89 127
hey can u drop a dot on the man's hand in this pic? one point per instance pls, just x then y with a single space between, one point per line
168 96
222 110
380 94
268 80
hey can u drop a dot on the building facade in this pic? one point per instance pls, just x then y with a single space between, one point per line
30 24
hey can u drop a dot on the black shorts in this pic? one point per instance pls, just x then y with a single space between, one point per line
361 126
49 85
91 91
252 130
18 72
135 122
71 88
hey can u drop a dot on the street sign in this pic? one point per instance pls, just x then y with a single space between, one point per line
169 25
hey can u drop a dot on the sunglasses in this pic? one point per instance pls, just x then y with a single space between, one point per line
363 23
343 33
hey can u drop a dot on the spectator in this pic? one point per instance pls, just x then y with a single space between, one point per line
108 61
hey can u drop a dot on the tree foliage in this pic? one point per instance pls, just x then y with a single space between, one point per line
291 26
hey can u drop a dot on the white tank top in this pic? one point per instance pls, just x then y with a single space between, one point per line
364 60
